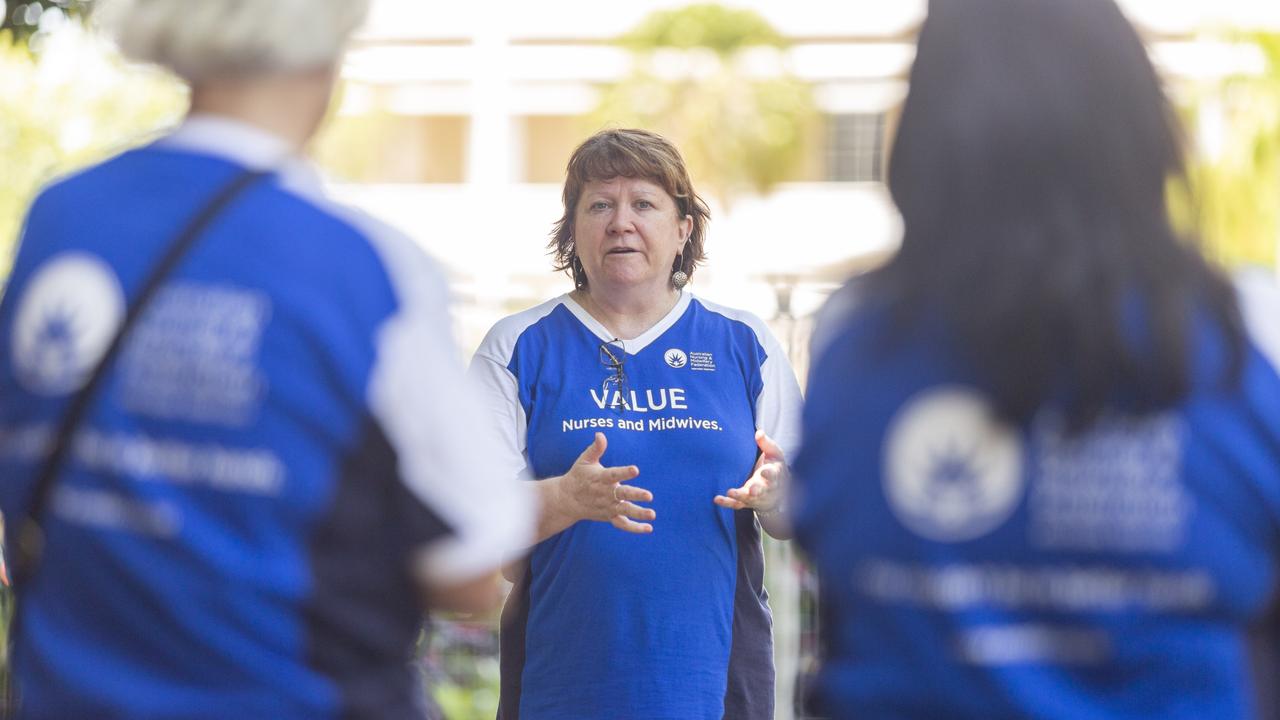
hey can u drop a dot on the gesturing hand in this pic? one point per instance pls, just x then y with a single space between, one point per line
590 491
763 490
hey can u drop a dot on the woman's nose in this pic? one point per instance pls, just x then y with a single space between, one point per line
622 220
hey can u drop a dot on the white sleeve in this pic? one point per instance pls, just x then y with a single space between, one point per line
500 391
778 408
1260 304
500 402
429 411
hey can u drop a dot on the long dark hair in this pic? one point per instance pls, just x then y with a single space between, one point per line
1031 167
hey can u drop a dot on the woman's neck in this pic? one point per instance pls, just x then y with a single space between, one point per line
287 105
626 316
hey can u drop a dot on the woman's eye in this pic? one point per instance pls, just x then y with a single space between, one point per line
644 204
599 205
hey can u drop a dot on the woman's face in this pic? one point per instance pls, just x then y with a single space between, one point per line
627 233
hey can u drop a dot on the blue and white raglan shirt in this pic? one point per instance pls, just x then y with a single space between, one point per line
671 625
974 570
283 451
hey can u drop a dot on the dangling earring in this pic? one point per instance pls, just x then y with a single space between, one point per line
679 278
576 271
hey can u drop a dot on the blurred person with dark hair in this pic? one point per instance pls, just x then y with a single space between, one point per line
281 467
1040 474
670 618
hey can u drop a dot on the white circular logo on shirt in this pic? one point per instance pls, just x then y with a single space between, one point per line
68 314
952 470
676 358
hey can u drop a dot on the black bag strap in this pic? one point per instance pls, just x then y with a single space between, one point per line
30 536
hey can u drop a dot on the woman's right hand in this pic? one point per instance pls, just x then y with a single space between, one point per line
591 491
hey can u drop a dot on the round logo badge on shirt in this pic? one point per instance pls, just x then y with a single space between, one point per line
952 470
676 358
68 314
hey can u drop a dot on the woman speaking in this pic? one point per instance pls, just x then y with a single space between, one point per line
696 403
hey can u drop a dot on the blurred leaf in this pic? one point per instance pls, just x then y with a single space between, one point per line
71 103
714 27
25 18
1232 202
714 81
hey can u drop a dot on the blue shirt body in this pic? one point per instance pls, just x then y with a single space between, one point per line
234 529
973 570
611 624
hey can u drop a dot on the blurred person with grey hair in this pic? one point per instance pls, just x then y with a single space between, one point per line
232 416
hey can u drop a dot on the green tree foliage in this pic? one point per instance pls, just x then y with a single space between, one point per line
1233 203
722 30
23 18
714 80
72 103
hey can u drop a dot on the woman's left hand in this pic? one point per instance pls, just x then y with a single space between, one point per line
763 490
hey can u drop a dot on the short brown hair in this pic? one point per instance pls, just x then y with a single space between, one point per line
629 153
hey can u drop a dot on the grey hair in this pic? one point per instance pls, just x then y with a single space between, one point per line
202 39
